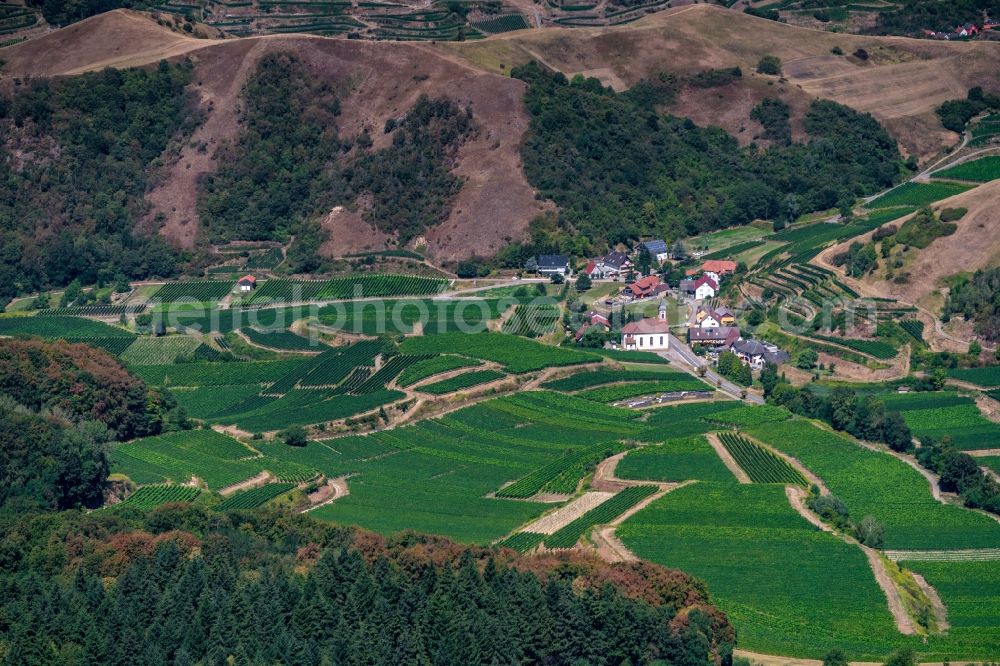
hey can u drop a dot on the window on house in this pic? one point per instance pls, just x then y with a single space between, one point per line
640 340
661 340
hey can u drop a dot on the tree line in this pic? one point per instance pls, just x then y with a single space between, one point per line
61 405
79 155
620 170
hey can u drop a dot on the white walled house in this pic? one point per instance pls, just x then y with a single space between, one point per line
648 334
705 288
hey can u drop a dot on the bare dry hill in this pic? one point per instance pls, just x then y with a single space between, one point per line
974 245
901 83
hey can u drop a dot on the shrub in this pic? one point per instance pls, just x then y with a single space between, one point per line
952 214
769 64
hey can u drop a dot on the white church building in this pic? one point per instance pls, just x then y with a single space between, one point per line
648 334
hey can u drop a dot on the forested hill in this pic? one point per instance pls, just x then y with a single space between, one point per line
184 586
619 169
60 406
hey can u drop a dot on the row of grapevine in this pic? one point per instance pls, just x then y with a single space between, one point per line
603 513
522 542
206 290
255 497
112 344
389 371
150 497
534 482
761 465
93 311
462 381
532 321
267 260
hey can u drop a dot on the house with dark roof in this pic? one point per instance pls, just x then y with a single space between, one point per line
756 353
549 264
614 264
657 249
717 336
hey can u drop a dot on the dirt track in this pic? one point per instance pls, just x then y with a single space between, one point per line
728 459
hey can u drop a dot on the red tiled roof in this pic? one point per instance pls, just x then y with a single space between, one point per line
248 278
719 266
646 326
704 279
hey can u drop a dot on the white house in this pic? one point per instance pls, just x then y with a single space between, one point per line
705 287
648 334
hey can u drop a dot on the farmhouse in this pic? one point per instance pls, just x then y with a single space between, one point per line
657 249
550 264
705 287
717 336
645 287
705 317
648 333
614 264
247 283
756 353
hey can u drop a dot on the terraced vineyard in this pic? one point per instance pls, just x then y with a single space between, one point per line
214 458
627 356
515 353
788 587
677 381
363 286
603 513
876 348
872 483
590 379
407 315
986 377
282 340
201 292
501 23
159 351
462 381
917 194
532 321
433 365
255 497
946 414
980 170
150 497
540 478
674 460
522 542
59 327
92 311
761 465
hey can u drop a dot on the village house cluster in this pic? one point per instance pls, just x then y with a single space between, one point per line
711 329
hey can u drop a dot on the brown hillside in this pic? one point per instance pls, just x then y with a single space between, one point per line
121 38
974 245
901 84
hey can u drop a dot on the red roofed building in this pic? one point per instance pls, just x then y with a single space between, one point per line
643 287
247 283
648 334
705 287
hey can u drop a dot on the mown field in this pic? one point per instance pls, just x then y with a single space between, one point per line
872 483
788 587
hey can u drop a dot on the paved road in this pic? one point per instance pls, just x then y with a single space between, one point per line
681 354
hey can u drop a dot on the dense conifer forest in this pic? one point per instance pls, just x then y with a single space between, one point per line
183 586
